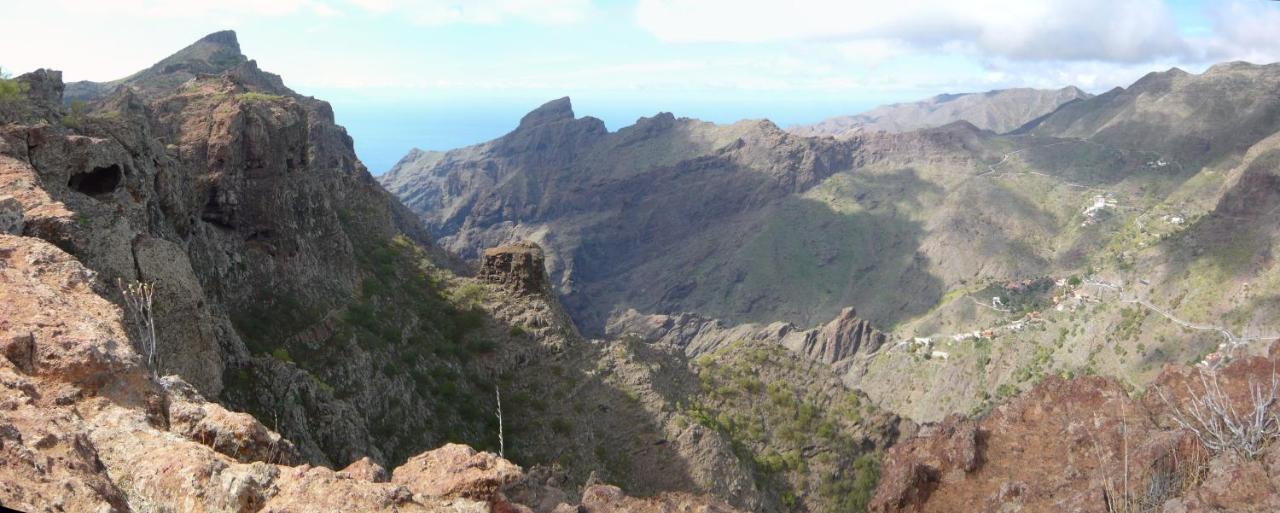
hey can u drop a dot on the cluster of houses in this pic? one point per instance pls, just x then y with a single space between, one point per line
925 345
1095 210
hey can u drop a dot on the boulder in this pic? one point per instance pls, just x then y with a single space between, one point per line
456 471
234 434
366 470
11 216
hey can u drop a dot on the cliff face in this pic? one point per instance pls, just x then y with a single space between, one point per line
246 207
84 426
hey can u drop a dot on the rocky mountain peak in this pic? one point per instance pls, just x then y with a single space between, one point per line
214 53
223 38
555 110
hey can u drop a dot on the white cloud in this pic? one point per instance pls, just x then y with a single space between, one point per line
1127 31
1242 31
483 12
430 12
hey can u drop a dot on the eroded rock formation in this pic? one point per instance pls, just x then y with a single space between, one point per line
835 342
518 267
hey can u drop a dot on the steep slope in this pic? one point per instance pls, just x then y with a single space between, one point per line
1193 120
999 111
86 426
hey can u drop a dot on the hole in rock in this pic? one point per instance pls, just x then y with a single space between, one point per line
98 182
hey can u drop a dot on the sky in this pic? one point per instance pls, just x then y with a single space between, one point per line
439 74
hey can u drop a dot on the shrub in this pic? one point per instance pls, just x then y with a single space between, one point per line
281 354
76 114
469 296
561 426
254 97
12 94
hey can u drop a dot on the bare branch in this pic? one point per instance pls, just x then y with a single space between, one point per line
1212 416
138 298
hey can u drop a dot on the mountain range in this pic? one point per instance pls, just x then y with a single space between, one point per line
1149 195
997 301
999 111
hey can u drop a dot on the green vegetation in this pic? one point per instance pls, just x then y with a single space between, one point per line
762 399
419 326
13 95
76 114
281 354
1130 325
257 97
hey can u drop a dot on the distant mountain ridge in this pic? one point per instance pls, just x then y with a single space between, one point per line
999 111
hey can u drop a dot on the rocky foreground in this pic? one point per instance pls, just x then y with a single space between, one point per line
1090 445
84 426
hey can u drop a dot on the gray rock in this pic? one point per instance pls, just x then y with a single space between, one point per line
11 217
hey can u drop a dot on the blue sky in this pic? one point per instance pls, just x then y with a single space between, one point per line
444 73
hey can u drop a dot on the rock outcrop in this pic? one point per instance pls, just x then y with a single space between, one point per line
457 471
11 216
83 426
518 267
843 337
1085 445
833 343
246 207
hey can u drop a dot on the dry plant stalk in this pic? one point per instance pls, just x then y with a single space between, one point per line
502 446
138 298
1213 418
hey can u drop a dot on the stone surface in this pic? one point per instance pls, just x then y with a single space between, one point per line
12 219
234 434
610 499
1065 444
518 267
835 342
456 471
843 337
